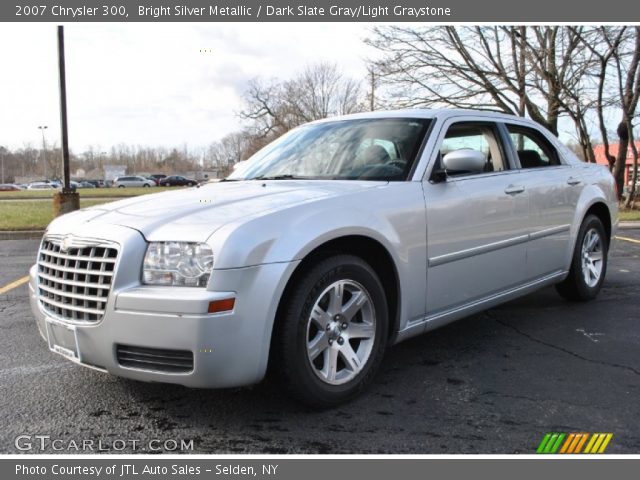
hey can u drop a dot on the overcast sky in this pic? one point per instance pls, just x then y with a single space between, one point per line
149 84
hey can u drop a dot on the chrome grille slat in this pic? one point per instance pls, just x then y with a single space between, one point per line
73 294
71 257
69 269
74 283
71 308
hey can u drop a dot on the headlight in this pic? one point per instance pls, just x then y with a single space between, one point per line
177 263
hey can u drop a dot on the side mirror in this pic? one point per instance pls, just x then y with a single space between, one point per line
464 161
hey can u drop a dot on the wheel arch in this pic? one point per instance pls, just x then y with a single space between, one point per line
368 249
600 210
595 200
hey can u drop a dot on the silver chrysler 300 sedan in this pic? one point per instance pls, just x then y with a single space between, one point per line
340 238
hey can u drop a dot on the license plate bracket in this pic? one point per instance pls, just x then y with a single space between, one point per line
62 339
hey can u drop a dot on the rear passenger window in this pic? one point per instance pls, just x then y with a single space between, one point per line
534 150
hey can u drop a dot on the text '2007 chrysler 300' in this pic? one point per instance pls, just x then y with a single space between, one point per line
338 239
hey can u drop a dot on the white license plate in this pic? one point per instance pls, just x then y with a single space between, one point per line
62 339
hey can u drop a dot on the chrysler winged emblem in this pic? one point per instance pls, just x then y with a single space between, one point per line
66 243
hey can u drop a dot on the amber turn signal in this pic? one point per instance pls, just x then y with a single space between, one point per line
218 306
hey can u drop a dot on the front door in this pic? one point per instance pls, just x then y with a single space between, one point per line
477 223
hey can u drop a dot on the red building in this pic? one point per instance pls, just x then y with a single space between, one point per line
598 150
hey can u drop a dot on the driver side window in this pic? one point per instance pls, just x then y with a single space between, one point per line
479 137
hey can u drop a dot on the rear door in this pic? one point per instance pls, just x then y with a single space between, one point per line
554 189
477 224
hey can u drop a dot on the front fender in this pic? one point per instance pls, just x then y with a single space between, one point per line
392 214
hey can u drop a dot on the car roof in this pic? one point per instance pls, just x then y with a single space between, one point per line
431 113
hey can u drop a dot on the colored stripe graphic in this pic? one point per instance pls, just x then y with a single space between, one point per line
543 443
568 442
571 443
604 445
582 441
591 443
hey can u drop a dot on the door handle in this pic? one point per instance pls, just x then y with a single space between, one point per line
514 189
573 181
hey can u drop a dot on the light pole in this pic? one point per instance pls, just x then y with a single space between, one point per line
2 157
42 128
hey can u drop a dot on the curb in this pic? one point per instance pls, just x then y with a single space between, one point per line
21 234
90 197
628 225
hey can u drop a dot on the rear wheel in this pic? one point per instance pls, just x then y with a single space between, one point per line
146 185
120 186
589 263
333 332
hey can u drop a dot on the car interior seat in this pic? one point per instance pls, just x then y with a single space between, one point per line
375 155
530 159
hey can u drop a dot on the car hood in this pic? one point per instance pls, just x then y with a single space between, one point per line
193 214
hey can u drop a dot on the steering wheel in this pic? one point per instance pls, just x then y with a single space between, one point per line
398 163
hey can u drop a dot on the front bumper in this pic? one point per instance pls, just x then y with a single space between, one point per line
229 349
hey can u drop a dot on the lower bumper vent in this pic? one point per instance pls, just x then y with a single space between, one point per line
155 359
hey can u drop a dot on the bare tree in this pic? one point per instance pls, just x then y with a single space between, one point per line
543 72
628 74
320 91
514 69
602 43
617 72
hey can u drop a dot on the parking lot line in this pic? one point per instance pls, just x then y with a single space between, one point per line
14 284
627 239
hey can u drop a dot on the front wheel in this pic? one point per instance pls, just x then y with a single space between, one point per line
332 333
589 262
146 185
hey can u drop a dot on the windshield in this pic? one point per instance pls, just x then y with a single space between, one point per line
368 149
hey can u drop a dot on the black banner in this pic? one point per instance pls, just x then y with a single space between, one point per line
275 468
440 11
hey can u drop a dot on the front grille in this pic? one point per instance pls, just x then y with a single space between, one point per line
155 359
74 283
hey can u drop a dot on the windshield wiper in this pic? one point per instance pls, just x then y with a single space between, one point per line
277 177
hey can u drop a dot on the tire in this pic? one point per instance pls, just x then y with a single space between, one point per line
146 185
351 340
589 262
120 186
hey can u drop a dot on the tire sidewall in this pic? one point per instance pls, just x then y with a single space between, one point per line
317 279
590 222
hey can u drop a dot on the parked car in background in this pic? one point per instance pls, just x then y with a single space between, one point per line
40 186
96 183
340 238
9 187
85 185
157 177
133 181
177 181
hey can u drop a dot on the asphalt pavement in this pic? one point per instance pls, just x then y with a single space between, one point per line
495 382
